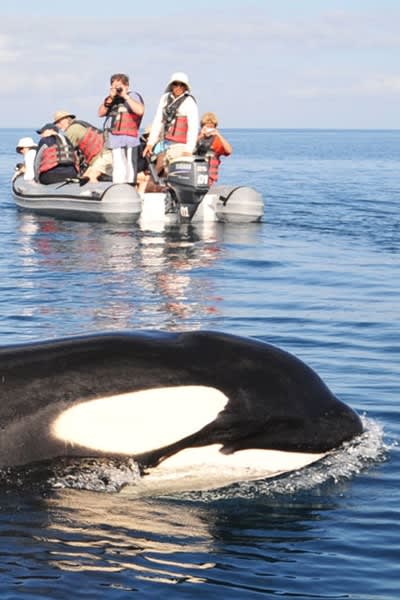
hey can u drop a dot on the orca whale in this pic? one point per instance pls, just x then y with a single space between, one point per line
156 397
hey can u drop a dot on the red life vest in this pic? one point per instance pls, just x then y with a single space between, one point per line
91 144
177 131
123 120
60 153
126 123
175 126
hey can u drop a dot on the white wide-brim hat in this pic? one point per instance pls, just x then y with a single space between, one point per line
179 76
26 142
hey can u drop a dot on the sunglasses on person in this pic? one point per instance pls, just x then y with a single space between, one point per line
176 83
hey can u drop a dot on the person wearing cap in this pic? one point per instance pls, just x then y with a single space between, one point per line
212 144
176 121
88 141
56 159
123 111
27 147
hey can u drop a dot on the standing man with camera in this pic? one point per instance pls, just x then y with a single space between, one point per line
123 111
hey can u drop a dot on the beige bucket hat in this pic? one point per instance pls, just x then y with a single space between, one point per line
61 114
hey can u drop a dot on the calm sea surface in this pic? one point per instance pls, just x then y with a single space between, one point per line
319 278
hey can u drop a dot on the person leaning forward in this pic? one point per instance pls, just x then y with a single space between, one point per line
88 140
56 158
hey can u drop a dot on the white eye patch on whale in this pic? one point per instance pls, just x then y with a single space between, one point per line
138 422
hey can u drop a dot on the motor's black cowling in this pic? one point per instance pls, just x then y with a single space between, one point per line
187 183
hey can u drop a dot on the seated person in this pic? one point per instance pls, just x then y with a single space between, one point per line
212 144
27 147
143 174
88 140
147 179
56 159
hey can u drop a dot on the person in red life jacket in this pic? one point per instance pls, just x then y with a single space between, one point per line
212 144
176 122
123 111
56 158
88 141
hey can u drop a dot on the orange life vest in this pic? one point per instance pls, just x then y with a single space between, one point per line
60 153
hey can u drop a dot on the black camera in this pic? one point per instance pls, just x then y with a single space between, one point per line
119 90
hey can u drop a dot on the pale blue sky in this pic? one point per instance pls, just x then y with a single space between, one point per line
262 63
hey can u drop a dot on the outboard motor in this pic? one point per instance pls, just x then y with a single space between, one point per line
187 183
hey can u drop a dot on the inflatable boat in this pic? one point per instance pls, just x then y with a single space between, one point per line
101 201
185 197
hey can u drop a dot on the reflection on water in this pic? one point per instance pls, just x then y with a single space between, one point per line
117 535
110 535
121 277
163 542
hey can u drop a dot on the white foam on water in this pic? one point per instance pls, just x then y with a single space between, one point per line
98 475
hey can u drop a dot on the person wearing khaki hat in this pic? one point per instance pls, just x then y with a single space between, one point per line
88 141
27 148
62 114
176 121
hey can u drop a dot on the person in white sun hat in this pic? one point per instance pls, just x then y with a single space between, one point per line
27 148
175 124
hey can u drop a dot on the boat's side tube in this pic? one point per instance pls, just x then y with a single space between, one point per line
237 204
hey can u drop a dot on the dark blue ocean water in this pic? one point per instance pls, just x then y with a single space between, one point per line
318 277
